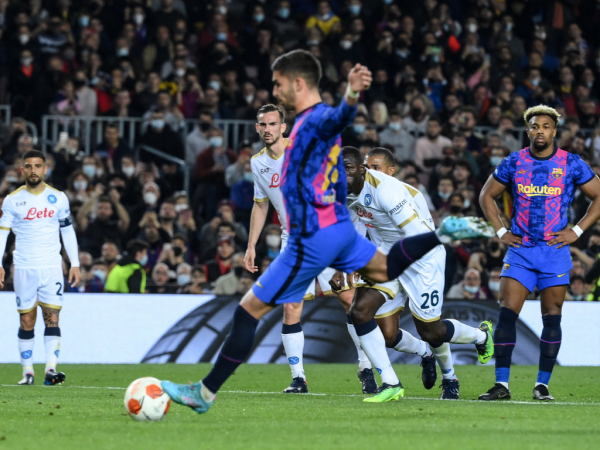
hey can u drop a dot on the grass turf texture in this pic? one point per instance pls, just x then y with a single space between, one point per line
73 417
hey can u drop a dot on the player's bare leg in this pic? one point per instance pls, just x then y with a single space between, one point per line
292 337
26 342
552 299
52 344
512 297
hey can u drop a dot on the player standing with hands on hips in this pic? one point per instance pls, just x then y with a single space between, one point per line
35 213
542 179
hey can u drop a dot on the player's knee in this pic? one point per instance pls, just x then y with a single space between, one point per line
27 322
292 313
360 313
429 332
390 338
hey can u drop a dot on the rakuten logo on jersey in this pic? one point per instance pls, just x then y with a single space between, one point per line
34 213
363 213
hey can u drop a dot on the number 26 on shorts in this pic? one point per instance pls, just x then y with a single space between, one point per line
435 299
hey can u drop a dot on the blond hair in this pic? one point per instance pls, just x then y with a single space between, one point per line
541 110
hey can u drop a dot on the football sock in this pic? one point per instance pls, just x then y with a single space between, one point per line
207 394
459 333
443 356
52 344
373 343
363 359
235 350
406 251
26 342
549 347
293 343
407 343
505 338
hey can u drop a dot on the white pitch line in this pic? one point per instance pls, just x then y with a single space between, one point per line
347 395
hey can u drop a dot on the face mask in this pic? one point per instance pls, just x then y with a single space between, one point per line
179 207
249 98
94 81
99 172
138 18
495 160
23 39
494 286
216 141
183 279
122 52
48 172
100 274
150 198
12 179
128 171
494 246
395 126
325 17
471 289
577 298
508 26
354 9
157 124
214 85
273 241
180 72
444 195
249 177
26 61
222 9
416 112
455 209
388 2
542 36
345 44
177 251
80 185
238 271
284 13
359 128
467 203
472 28
222 37
311 43
84 21
259 18
89 170
535 82
142 262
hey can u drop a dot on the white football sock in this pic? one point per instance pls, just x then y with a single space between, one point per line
443 356
293 343
363 359
464 334
52 344
206 393
373 344
26 354
410 344
503 384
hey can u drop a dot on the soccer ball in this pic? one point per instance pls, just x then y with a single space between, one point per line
145 400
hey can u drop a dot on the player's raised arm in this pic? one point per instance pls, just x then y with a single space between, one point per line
487 199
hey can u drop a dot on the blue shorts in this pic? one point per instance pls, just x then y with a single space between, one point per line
288 277
542 266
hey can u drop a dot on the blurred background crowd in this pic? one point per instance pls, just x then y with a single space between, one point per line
451 82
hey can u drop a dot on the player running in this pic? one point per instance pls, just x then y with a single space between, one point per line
321 233
391 210
266 169
35 212
542 179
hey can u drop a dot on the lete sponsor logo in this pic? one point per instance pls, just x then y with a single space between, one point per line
363 213
34 213
274 181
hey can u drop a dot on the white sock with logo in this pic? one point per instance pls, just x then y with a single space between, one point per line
293 344
410 344
52 344
443 356
373 343
363 359
25 342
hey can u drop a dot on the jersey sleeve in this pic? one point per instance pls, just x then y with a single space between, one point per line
259 194
502 172
64 212
334 120
395 202
582 172
6 215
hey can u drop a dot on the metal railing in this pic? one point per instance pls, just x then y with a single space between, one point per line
90 130
180 162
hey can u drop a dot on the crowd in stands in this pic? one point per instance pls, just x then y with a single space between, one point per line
451 82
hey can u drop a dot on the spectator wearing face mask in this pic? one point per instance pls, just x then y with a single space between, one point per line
184 274
469 288
227 284
161 137
78 188
416 122
99 274
356 135
445 189
324 20
242 196
197 141
197 283
396 136
270 244
494 283
236 172
94 169
177 254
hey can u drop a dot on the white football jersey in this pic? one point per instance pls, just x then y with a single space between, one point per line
35 220
391 210
267 179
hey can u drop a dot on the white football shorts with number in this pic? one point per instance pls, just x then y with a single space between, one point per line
35 220
392 210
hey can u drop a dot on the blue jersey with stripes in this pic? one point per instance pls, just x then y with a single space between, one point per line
542 191
313 176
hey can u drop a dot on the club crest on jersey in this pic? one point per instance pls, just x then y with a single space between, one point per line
368 199
506 266
52 198
557 172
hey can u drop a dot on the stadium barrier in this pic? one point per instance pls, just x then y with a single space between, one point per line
180 162
129 329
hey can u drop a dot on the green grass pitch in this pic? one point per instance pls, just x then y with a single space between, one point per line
251 412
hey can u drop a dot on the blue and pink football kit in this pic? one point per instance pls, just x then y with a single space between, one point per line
542 191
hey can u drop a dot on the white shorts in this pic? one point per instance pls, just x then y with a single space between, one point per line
422 284
41 286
